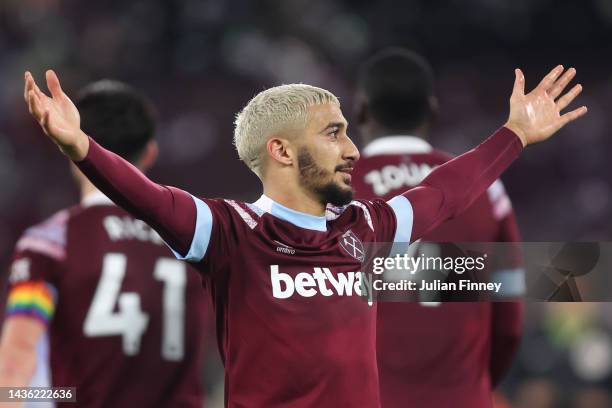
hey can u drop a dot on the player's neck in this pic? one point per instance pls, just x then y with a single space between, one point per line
87 188
295 199
376 131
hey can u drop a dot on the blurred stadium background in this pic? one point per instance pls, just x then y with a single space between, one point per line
201 60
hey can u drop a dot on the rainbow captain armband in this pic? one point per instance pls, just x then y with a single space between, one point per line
34 299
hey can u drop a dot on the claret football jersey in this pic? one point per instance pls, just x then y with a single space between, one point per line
126 320
293 329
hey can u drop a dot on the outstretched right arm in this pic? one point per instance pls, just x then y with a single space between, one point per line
170 211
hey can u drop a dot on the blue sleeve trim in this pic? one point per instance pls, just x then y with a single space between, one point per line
512 282
403 214
201 236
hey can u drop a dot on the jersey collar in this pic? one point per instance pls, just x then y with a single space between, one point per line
396 144
95 198
297 218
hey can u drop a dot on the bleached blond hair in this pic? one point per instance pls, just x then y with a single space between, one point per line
271 112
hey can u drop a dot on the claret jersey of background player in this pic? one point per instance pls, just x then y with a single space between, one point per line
118 306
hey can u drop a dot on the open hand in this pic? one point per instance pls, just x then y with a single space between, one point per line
57 116
536 116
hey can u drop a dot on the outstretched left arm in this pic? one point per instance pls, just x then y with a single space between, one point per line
454 186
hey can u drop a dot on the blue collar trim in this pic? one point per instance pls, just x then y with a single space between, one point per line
297 218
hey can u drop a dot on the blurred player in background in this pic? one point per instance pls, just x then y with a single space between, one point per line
431 354
285 271
110 294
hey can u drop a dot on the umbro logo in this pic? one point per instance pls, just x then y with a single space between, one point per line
284 249
352 245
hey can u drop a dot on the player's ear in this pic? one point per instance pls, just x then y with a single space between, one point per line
280 151
149 156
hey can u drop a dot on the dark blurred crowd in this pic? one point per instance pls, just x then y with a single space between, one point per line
200 61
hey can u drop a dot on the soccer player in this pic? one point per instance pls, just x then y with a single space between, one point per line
285 278
124 317
431 354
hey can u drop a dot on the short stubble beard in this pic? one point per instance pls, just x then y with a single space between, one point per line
312 176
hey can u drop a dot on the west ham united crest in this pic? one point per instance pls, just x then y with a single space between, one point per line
352 245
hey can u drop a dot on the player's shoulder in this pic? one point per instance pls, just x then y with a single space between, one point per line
369 212
230 211
47 238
